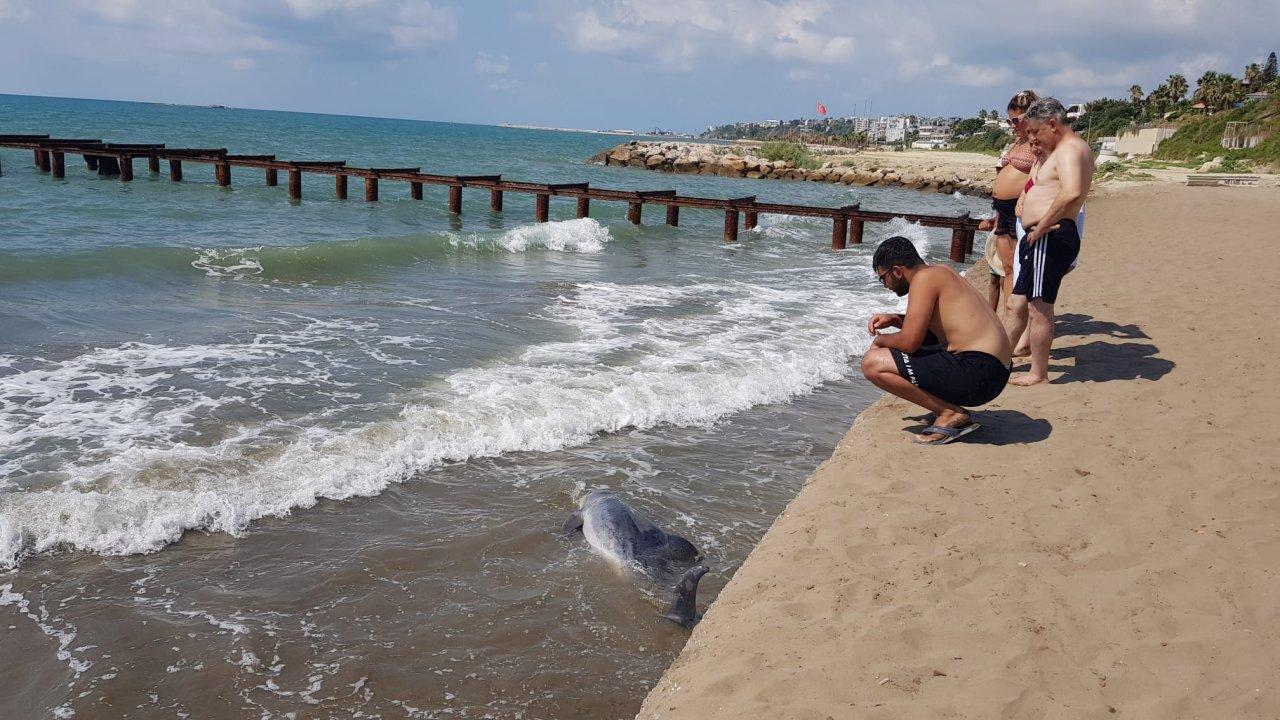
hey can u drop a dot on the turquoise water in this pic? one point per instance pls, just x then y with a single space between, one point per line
341 435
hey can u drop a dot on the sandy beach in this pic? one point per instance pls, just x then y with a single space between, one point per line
1105 547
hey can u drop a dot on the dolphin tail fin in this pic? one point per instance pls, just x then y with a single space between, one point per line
684 607
573 523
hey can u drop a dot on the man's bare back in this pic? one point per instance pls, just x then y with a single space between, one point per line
960 318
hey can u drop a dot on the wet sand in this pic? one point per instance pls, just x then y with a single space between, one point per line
1105 547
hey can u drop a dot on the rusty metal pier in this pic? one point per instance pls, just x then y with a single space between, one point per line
847 222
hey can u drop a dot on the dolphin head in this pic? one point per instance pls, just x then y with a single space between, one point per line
681 550
595 495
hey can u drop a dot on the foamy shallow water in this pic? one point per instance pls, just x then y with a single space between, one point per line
314 456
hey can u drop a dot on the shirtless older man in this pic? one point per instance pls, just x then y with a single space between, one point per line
1052 210
951 350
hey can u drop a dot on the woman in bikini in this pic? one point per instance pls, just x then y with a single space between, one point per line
1012 174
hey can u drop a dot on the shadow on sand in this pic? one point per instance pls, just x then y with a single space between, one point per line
1101 361
1079 324
999 427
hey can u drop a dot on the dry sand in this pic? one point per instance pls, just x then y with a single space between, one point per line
1106 546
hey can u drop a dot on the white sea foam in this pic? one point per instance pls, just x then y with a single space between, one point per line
639 356
64 632
913 231
221 262
111 405
583 235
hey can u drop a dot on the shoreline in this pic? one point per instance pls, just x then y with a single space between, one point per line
930 170
1101 547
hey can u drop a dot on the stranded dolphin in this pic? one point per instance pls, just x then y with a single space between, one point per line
629 539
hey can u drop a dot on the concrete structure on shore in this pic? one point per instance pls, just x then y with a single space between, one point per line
733 162
1141 141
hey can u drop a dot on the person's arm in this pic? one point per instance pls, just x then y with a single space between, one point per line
921 301
883 320
1070 190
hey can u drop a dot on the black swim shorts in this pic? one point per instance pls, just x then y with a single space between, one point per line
1006 217
966 378
1042 266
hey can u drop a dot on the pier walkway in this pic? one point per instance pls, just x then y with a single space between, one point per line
116 159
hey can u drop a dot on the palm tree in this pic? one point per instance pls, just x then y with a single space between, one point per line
1158 100
1135 94
1252 74
1217 90
1177 88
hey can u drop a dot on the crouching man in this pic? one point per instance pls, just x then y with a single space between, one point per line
951 351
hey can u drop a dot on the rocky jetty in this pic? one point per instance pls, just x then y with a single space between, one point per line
734 161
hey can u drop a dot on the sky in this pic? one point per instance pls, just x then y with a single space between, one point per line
638 64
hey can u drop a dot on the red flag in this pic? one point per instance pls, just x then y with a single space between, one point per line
822 109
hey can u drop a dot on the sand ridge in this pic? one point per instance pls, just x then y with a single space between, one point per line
1106 546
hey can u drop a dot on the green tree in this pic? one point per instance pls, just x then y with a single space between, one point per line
1135 94
1269 70
968 126
982 114
1177 88
1217 90
1252 75
1159 99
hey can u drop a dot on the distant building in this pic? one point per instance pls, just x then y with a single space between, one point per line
1075 112
1257 96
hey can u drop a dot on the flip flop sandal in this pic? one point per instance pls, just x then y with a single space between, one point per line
932 417
949 434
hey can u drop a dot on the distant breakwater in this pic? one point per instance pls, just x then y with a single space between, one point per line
696 159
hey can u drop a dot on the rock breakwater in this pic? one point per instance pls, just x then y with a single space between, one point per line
741 162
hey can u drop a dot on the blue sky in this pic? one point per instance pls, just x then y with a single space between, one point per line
618 63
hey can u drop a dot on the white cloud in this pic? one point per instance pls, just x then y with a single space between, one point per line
679 32
419 24
487 64
16 10
807 75
308 9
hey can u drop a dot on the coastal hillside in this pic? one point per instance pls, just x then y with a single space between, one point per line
1201 136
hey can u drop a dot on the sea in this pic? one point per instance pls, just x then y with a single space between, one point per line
273 459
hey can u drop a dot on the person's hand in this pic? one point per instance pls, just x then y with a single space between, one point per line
987 225
881 321
1038 231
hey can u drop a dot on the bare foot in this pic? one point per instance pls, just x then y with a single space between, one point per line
1027 380
947 419
1022 352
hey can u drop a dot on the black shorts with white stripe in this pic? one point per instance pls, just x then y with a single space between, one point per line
1042 266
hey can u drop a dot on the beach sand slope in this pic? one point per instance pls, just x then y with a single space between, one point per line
1107 546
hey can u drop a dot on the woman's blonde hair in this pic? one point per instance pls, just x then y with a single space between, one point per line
1023 100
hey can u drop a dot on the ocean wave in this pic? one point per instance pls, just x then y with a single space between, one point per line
640 356
320 261
583 235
